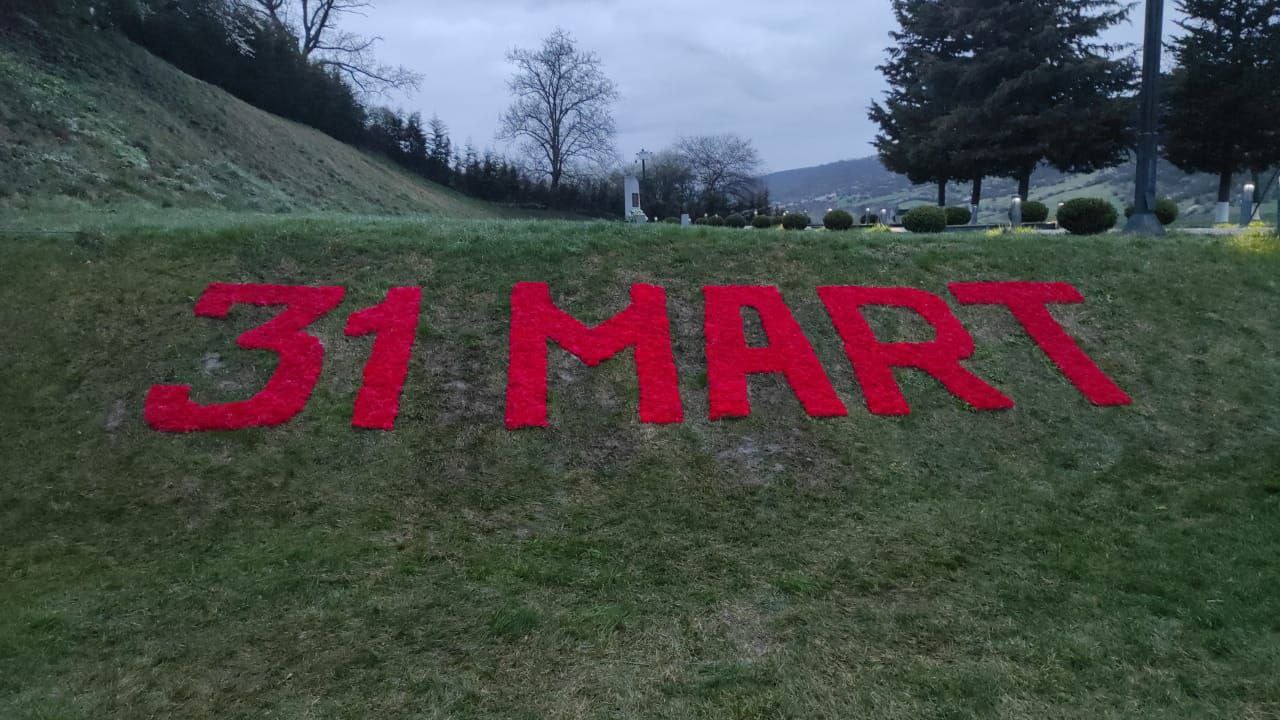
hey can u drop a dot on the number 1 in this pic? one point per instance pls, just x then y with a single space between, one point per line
395 323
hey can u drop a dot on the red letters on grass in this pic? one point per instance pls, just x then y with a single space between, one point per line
1027 301
395 322
169 407
873 361
730 359
644 326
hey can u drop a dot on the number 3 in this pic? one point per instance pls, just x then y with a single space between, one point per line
169 408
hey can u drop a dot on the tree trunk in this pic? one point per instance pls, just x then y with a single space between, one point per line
1224 186
1024 185
942 193
1222 211
976 197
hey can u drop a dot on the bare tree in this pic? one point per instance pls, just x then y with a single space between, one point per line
314 23
562 112
724 166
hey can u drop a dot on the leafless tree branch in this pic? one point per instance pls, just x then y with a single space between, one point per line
315 26
724 165
561 114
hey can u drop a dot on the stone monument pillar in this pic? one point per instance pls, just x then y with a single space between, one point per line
631 209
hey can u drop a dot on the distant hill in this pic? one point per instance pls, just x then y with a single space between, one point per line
861 183
90 119
864 176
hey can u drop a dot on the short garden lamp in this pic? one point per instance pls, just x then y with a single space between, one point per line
1015 211
1246 205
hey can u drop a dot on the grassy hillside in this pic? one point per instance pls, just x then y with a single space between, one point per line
857 184
91 120
1053 561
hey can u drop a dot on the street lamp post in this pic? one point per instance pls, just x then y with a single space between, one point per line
1143 221
1246 205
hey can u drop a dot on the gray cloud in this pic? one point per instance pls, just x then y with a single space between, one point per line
795 77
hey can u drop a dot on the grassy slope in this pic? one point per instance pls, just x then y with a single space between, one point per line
1057 560
92 120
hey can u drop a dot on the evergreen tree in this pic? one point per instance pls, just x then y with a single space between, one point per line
439 150
1223 97
415 144
995 87
1033 83
909 142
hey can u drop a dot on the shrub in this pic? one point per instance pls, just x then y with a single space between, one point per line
795 221
925 219
763 222
958 216
671 220
715 221
735 221
1166 211
869 219
1087 216
837 220
1034 211
700 221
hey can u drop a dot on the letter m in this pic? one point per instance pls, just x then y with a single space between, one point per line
643 325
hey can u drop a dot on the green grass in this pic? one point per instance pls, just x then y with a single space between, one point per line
1054 561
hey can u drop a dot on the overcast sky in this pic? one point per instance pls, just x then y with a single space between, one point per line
795 77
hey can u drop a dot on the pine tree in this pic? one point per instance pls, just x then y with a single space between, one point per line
439 150
415 144
1033 83
1224 94
985 88
908 142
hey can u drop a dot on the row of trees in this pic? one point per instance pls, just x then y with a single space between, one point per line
996 88
427 149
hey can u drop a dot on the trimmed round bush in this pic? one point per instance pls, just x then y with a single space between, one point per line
700 221
735 221
1166 211
1034 211
671 220
837 220
925 219
795 221
1087 216
715 221
958 215
763 222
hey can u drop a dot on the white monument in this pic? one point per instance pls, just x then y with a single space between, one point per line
632 210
